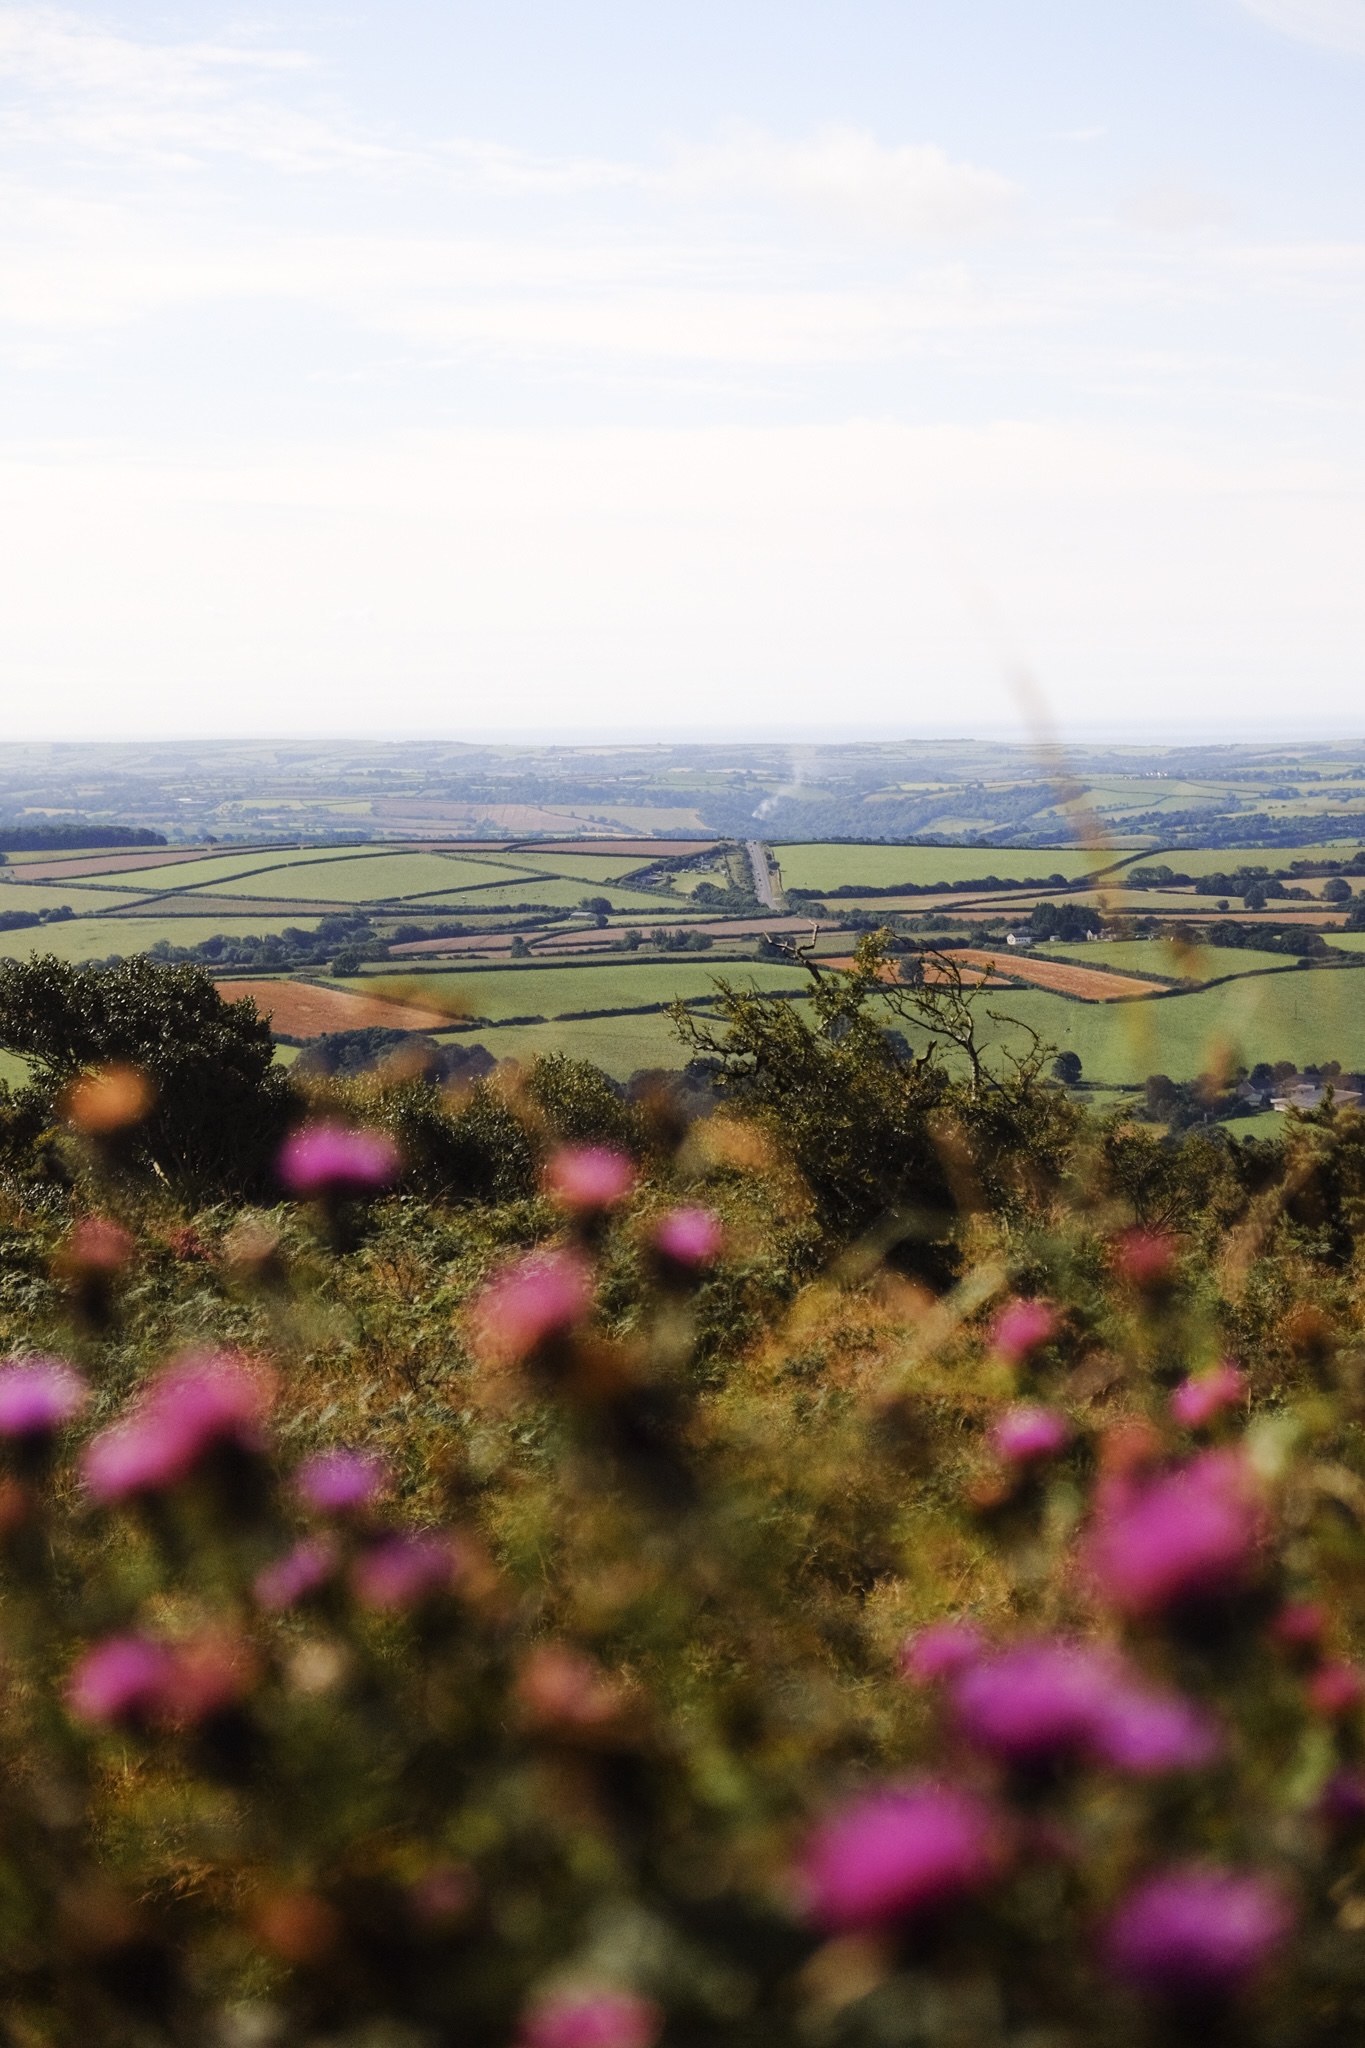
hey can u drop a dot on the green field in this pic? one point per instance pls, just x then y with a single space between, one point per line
498 992
619 1045
1307 1015
83 900
96 938
824 866
1225 860
368 879
1159 956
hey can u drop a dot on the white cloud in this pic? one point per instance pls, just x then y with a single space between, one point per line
84 87
1334 24
849 178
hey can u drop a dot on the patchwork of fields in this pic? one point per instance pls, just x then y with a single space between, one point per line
1113 1004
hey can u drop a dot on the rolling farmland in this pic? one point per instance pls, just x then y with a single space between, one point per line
579 990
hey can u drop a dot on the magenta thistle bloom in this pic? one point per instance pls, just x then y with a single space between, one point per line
402 1571
1027 1435
1196 1933
532 1302
37 1395
1301 1625
689 1238
122 1679
336 1480
1047 1701
330 1159
585 1179
1146 1734
303 1570
1199 1401
1035 1701
1335 1690
1186 1535
940 1651
1024 1326
591 2019
1146 1258
899 1853
187 1411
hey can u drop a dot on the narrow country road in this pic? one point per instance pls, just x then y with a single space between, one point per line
763 880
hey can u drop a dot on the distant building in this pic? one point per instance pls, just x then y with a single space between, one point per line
1021 941
1312 1095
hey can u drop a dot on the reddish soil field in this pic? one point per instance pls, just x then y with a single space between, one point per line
1092 983
301 1010
111 863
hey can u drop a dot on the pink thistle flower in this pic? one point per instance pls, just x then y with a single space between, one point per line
689 1238
1023 1327
530 1303
941 1651
333 1481
1191 1534
591 2019
1301 1625
586 1179
403 1571
334 1160
1195 1933
899 1853
1146 1734
1034 1701
1145 1258
121 1680
1046 1701
1028 1435
188 1410
97 1246
303 1570
37 1395
1199 1401
1335 1690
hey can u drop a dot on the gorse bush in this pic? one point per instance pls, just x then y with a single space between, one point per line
632 1610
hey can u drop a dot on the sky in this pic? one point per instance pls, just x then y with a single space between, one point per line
579 366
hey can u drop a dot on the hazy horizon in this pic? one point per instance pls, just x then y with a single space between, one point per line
572 371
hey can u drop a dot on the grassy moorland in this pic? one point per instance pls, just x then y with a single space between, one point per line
873 1554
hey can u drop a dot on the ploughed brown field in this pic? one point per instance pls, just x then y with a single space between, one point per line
301 1010
1093 983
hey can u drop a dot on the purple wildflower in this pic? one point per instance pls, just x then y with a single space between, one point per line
1024 1326
586 1179
689 1238
122 1679
1198 1401
591 2019
1027 1435
940 1651
301 1571
1198 1933
336 1480
402 1571
1186 1535
1034 1701
531 1302
331 1159
1145 1734
899 1853
188 1410
37 1395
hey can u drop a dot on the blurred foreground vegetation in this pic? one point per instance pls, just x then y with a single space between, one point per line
488 1584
